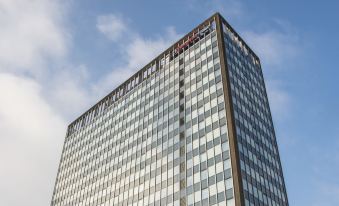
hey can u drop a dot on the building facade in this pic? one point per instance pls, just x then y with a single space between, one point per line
193 127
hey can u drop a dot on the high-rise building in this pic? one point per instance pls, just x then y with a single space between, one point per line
193 127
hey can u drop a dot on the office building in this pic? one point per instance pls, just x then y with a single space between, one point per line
192 127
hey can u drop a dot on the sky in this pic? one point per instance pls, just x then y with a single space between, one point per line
58 58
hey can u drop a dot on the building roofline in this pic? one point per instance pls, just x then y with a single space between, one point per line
154 60
172 47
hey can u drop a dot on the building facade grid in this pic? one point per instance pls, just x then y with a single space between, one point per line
163 137
261 172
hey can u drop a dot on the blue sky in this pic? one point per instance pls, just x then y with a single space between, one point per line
57 58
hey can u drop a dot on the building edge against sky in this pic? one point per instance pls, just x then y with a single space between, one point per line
235 73
255 162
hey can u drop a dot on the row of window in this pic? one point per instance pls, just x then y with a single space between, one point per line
260 165
122 139
134 153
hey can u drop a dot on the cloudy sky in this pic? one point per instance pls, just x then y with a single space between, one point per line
58 57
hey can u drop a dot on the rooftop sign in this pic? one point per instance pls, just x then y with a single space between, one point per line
192 38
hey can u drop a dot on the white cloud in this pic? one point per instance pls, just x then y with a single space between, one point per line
140 51
31 135
69 90
112 26
273 47
279 99
30 34
32 131
37 99
136 53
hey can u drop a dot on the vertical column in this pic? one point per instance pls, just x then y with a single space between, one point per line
235 160
182 135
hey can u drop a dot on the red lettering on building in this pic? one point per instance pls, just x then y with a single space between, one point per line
186 43
191 39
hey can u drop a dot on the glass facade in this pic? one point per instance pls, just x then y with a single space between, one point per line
261 171
164 142
162 137
208 166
